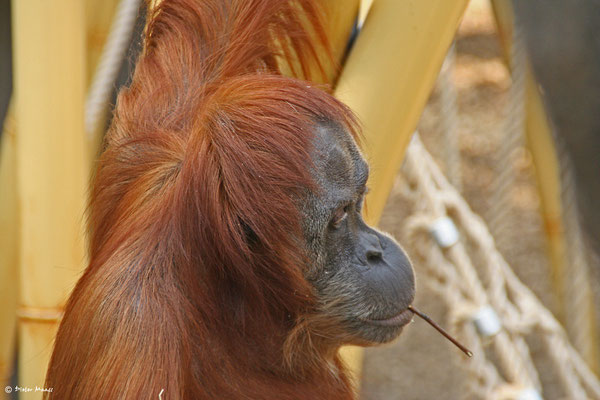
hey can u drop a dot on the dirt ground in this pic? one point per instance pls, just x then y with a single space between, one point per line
421 364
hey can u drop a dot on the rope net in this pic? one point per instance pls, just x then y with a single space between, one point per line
491 310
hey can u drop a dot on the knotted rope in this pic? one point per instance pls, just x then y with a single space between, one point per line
490 309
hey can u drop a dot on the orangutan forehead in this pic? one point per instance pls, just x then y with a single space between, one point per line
338 161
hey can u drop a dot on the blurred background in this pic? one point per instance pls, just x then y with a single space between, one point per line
472 98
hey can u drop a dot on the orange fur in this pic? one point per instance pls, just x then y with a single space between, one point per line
210 142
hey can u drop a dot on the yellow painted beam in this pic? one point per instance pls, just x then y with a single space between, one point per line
52 170
386 81
388 77
547 169
9 254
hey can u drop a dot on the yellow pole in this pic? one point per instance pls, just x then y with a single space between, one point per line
388 77
52 170
8 250
547 169
387 80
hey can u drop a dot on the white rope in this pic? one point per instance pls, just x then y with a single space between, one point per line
471 275
110 63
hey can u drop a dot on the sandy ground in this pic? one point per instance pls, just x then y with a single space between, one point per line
421 364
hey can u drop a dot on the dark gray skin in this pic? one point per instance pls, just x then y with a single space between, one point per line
363 279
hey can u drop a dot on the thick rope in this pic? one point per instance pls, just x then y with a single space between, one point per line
110 63
471 275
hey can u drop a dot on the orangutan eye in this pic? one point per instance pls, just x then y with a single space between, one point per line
339 216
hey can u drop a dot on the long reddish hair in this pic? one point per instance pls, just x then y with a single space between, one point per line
195 278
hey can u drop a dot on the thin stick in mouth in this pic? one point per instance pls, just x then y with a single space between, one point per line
441 330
